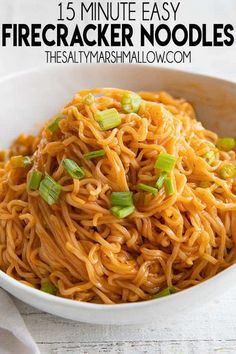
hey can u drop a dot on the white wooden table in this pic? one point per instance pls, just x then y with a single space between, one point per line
208 330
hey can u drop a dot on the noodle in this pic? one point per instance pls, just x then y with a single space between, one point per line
78 245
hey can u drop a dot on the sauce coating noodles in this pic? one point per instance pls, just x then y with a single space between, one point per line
77 244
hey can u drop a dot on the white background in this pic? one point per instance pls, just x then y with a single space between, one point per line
212 329
216 61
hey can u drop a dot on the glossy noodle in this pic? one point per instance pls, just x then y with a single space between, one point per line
178 236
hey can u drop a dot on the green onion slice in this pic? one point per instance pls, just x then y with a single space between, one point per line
146 188
122 199
131 102
169 186
73 169
161 180
34 180
49 288
89 99
21 161
92 154
165 162
204 184
225 144
122 212
165 292
50 190
54 126
210 156
227 171
108 119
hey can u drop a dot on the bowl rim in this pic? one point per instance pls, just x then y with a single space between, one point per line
52 67
111 307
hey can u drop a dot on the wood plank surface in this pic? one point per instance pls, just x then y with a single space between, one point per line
210 329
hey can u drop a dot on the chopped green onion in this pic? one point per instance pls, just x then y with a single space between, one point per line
92 154
131 102
210 156
146 188
49 190
161 180
169 186
89 99
227 171
21 161
122 199
121 212
108 119
49 288
165 162
54 126
165 292
73 169
225 144
34 180
204 184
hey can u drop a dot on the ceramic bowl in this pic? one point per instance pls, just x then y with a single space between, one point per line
29 98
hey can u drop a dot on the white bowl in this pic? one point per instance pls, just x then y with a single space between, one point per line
29 98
